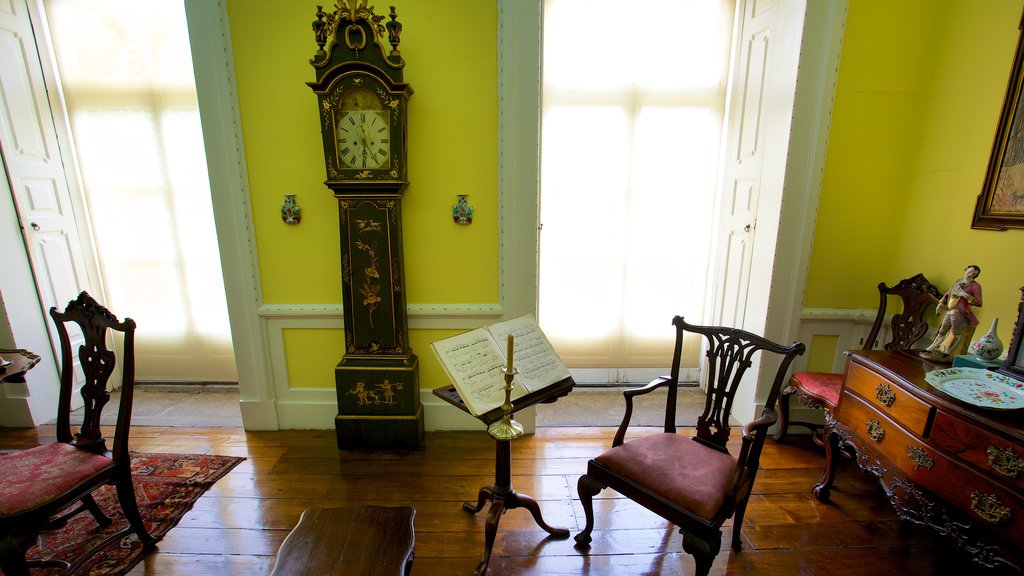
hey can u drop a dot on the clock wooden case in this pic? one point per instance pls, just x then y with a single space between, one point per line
363 105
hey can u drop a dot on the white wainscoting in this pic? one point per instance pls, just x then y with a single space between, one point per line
304 407
301 406
850 327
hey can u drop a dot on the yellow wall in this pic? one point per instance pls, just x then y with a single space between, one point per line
921 84
451 51
920 88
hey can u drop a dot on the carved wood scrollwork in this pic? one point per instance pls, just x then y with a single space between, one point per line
350 37
885 395
1005 461
917 507
920 458
990 508
875 430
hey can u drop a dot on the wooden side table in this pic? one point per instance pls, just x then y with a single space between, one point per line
16 362
364 540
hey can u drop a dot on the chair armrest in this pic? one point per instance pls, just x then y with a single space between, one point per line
745 460
765 421
660 382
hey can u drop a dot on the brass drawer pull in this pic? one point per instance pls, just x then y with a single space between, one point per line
989 508
1005 461
884 394
920 458
875 430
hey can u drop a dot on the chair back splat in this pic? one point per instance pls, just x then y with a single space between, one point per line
694 483
906 327
97 363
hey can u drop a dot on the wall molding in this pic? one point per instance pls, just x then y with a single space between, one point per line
212 60
421 316
855 315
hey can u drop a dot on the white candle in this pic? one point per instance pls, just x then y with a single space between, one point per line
511 339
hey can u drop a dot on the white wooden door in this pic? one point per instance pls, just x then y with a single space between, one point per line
767 42
742 164
51 218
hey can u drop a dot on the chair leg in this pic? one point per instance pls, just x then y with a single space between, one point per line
737 523
703 550
783 404
587 488
90 504
126 496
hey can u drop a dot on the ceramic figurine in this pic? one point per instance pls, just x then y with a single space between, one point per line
959 320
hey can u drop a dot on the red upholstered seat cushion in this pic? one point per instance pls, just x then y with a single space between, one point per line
824 386
678 469
31 478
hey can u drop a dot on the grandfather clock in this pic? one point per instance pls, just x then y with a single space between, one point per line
362 100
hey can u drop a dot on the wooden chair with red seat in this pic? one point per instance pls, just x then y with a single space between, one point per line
821 389
43 487
694 483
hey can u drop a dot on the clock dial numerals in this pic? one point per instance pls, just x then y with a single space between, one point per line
363 139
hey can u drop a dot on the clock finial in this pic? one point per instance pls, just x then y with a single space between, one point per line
320 32
394 33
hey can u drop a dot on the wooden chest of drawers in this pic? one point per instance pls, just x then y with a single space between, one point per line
943 463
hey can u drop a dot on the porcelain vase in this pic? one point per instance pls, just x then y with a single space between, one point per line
291 212
989 346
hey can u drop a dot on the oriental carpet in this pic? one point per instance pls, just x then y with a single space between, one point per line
166 487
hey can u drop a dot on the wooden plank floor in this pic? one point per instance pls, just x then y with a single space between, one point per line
237 527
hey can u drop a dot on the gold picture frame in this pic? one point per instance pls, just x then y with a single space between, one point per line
1013 365
1001 203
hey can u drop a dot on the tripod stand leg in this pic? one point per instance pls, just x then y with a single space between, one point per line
486 495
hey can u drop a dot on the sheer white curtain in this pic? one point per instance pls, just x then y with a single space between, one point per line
633 101
126 71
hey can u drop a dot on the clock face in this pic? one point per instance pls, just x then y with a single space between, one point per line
362 132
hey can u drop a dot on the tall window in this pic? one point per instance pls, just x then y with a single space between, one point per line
126 71
633 102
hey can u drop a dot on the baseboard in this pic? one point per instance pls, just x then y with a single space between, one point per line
259 415
317 413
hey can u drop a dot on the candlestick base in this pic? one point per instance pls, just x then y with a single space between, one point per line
505 429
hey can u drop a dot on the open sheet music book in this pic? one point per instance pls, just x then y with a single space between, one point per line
474 359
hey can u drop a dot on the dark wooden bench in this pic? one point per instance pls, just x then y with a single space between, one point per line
354 540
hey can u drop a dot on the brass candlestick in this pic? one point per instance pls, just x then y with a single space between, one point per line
507 428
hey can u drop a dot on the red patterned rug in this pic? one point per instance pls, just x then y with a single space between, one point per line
166 487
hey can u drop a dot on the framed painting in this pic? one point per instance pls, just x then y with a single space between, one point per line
1001 202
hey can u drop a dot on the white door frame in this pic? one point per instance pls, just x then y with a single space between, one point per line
210 37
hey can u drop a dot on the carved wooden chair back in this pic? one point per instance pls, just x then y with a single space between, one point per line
906 327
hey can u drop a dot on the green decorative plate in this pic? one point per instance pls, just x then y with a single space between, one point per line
979 387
